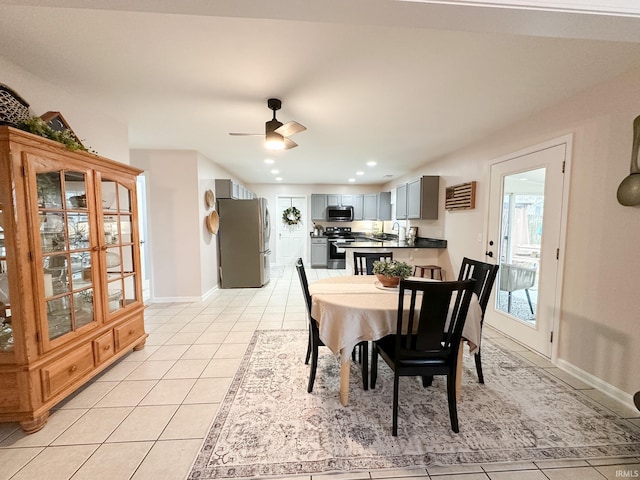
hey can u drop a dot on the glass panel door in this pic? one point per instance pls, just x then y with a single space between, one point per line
524 236
120 250
66 256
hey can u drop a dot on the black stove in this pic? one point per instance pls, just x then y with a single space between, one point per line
337 255
338 232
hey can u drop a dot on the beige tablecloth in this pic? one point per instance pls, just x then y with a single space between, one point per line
350 309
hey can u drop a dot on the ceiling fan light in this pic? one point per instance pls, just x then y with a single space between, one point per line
274 141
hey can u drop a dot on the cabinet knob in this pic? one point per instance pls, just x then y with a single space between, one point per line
95 249
132 331
103 247
73 368
106 347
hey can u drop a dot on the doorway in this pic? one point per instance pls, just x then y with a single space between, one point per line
527 221
145 264
291 240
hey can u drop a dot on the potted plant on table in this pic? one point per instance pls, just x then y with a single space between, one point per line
390 273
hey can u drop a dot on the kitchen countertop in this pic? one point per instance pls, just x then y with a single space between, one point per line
394 243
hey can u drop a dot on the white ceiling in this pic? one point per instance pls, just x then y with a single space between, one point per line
397 82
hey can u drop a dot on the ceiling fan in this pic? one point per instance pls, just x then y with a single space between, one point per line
276 133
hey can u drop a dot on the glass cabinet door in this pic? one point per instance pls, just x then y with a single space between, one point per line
66 253
121 253
6 333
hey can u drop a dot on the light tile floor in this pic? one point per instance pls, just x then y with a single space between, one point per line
146 416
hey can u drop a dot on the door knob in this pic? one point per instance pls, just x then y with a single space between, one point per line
489 254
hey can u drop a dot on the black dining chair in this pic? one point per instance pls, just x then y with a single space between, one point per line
314 336
363 261
419 348
485 276
363 265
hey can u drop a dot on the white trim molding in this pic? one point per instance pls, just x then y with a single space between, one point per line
597 383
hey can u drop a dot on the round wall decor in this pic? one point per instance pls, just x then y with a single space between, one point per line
213 222
209 198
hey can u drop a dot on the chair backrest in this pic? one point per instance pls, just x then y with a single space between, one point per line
434 319
363 262
485 276
304 284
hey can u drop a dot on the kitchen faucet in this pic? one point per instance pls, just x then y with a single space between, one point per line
393 227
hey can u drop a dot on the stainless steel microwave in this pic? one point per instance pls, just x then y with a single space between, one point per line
339 213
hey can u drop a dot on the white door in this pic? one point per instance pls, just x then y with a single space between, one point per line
291 239
527 216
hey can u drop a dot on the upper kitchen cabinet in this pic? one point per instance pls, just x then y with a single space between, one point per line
70 287
226 188
377 206
319 203
401 202
318 207
418 199
357 202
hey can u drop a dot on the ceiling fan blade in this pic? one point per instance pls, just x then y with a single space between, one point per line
235 134
290 128
288 143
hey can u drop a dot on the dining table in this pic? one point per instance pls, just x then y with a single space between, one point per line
350 309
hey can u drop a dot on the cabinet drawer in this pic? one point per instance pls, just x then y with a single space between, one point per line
62 373
103 347
128 333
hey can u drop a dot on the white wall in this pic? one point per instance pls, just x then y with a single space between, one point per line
95 130
184 262
600 314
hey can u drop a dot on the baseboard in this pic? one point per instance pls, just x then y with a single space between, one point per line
202 298
597 383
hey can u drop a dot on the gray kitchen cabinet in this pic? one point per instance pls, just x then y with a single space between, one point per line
318 207
227 188
319 252
418 199
357 201
401 202
334 199
377 206
413 199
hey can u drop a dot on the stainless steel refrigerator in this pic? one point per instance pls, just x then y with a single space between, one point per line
243 242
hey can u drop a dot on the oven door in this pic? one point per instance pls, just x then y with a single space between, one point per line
337 255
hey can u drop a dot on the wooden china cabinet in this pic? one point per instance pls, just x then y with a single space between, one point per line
70 288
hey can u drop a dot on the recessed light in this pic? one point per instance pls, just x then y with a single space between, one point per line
268 160
371 163
360 173
279 179
275 171
352 180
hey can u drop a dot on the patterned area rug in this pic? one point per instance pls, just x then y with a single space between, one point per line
269 425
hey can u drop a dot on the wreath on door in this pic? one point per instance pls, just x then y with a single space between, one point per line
291 216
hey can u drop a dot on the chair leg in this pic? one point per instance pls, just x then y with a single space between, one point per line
306 360
396 384
451 396
478 360
314 367
364 359
427 380
526 290
374 365
509 303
